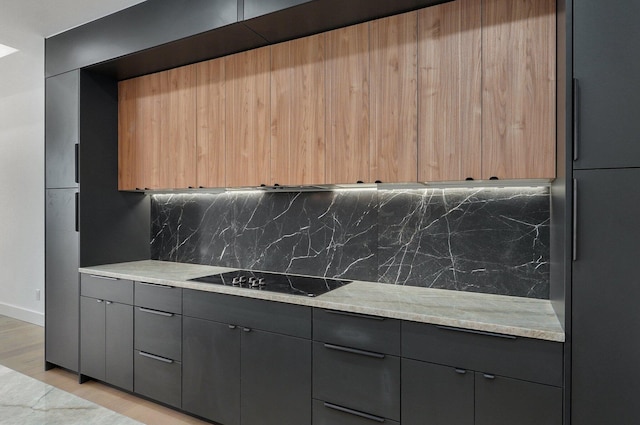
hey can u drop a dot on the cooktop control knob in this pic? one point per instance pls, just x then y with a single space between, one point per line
253 282
261 282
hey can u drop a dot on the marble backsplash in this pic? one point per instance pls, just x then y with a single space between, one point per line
492 240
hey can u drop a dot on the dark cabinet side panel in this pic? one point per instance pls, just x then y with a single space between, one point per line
62 108
605 378
62 279
436 395
211 370
607 66
505 401
276 379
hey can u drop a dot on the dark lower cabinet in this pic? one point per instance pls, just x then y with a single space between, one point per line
436 395
211 370
276 379
506 401
158 378
325 413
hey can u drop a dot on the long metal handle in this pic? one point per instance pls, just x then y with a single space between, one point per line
354 351
354 412
103 277
156 285
576 117
471 331
346 313
77 205
574 242
151 356
159 313
77 161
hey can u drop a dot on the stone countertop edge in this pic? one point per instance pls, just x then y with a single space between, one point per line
515 316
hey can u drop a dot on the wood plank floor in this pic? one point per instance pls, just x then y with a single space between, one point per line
22 349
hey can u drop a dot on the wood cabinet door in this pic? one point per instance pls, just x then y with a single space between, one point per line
394 108
518 102
298 112
248 151
211 132
449 91
156 131
347 88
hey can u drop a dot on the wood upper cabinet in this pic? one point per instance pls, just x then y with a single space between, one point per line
211 132
393 61
156 130
248 151
518 96
449 91
298 112
348 154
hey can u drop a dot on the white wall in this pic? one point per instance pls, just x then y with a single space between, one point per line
22 177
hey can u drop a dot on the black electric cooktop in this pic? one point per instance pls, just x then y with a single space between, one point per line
274 282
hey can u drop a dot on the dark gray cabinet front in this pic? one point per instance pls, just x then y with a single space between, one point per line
605 293
62 127
505 401
606 64
211 370
436 395
62 259
92 338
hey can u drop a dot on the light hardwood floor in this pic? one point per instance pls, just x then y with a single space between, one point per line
22 349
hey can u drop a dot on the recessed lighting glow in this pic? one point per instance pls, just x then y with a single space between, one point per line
6 50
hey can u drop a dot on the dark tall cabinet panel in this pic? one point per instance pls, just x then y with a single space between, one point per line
62 258
606 287
606 64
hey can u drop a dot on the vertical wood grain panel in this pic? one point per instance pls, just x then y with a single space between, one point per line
150 129
248 136
519 88
298 112
178 138
449 91
211 124
347 71
394 107
127 152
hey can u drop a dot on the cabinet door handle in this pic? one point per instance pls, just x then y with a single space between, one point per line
156 285
246 329
109 302
489 376
461 371
103 277
232 326
574 238
77 162
576 117
354 412
77 207
99 301
159 313
354 351
346 313
471 331
158 358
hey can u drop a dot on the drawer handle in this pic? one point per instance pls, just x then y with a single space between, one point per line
156 285
354 412
103 277
471 331
362 316
159 313
354 351
151 356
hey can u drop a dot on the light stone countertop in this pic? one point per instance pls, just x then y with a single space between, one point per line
525 317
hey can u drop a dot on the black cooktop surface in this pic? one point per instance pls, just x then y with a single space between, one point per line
274 282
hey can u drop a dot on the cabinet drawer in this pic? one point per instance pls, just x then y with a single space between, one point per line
158 297
158 378
107 288
158 333
371 333
271 316
524 358
360 380
331 414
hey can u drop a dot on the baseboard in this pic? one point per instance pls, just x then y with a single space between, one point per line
23 314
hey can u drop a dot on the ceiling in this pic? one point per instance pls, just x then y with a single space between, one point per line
49 17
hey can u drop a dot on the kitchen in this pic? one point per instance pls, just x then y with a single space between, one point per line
378 209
